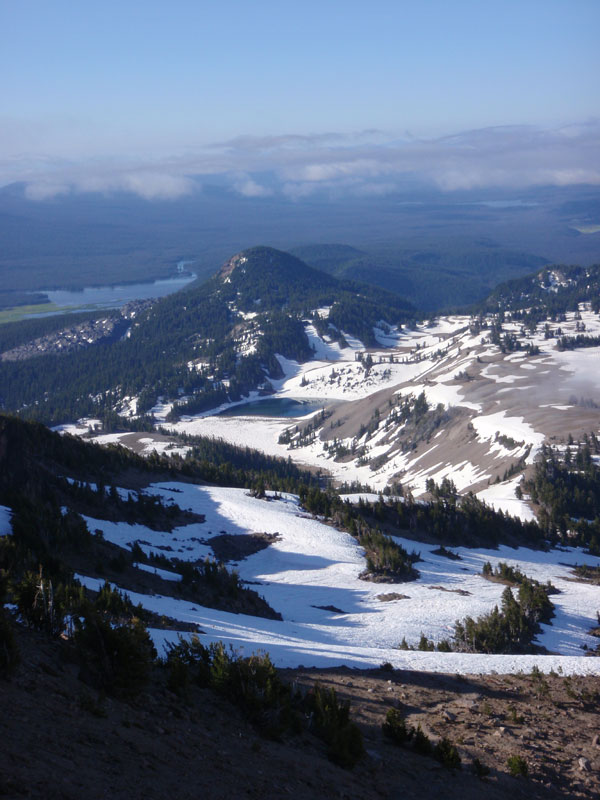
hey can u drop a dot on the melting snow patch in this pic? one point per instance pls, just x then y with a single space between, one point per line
501 497
487 426
160 411
165 574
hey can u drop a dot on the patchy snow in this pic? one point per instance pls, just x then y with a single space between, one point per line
501 497
463 475
163 448
356 497
160 410
82 427
324 349
260 433
5 521
454 367
129 407
487 426
341 380
389 337
290 651
110 438
487 373
447 395
353 342
184 543
165 574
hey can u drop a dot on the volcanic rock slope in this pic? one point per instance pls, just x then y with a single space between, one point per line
471 398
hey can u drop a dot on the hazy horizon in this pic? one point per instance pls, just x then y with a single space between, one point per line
284 101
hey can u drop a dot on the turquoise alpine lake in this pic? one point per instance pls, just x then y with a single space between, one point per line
274 407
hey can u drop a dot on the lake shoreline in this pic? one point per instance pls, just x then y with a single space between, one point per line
51 302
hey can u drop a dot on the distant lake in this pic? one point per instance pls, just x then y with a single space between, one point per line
505 204
117 296
274 407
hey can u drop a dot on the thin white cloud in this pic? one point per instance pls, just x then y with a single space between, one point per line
146 183
45 190
250 188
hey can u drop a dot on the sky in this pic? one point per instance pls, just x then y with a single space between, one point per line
145 95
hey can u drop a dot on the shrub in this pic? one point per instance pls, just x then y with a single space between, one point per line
395 727
346 747
178 675
332 723
94 707
516 719
250 683
480 769
517 766
115 658
111 601
9 651
254 685
422 742
510 629
447 754
43 605
187 661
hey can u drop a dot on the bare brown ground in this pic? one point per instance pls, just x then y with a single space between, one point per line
54 745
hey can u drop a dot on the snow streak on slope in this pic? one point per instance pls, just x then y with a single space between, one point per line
501 497
490 426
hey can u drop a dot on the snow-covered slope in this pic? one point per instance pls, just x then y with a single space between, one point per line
502 405
493 397
330 616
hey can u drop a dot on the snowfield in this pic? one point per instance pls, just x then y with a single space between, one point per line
330 616
495 407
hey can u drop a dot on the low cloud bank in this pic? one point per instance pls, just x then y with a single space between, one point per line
365 163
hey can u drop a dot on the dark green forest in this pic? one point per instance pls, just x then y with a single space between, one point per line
198 324
545 297
565 489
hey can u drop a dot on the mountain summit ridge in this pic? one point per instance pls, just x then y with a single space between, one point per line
263 276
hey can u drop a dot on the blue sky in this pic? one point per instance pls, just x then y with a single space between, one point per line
144 85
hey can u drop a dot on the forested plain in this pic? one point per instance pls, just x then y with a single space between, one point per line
438 249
